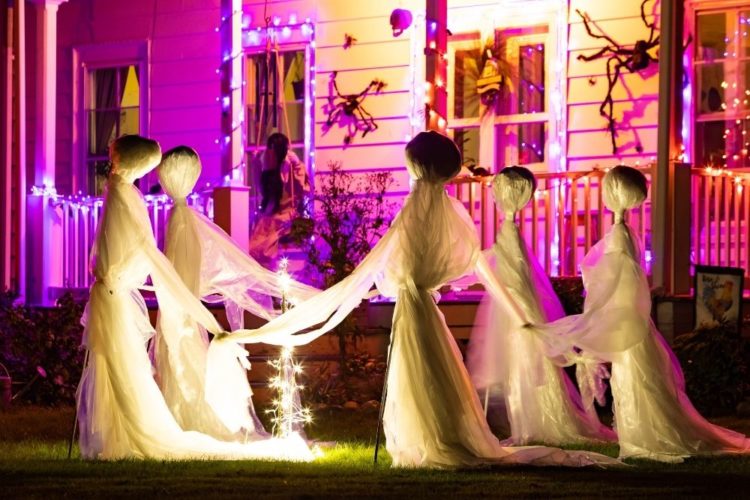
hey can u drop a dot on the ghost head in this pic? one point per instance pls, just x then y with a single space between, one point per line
432 157
513 188
623 188
178 171
134 156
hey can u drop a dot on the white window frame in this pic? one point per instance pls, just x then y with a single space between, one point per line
510 15
87 58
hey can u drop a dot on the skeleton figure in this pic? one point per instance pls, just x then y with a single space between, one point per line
347 110
633 59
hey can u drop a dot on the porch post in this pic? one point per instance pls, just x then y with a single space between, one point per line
43 260
669 249
436 76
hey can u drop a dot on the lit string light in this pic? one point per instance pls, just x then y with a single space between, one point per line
287 413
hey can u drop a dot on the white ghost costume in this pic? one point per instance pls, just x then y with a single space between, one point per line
433 417
654 418
121 412
214 268
508 360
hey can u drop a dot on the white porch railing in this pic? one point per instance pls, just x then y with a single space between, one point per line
566 217
78 218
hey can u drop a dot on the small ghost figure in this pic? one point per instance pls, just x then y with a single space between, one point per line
504 359
215 269
433 417
654 418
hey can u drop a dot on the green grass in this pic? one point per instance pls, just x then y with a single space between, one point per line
33 464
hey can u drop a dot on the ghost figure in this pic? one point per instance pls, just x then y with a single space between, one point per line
213 267
433 417
507 361
121 411
654 418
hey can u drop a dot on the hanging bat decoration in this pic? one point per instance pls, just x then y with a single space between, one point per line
349 40
347 111
633 59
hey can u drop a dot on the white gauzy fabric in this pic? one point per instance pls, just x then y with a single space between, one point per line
219 402
541 401
121 411
654 418
432 416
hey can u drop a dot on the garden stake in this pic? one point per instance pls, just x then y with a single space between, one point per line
75 413
383 398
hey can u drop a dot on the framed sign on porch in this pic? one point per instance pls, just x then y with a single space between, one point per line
718 297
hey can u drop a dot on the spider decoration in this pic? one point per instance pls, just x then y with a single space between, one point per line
632 59
347 109
349 40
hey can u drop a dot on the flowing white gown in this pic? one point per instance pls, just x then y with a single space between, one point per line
211 265
121 412
541 401
654 418
432 416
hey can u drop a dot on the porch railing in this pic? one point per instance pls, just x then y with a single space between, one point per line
563 221
720 231
78 218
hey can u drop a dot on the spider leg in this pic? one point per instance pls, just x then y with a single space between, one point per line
613 75
586 20
595 55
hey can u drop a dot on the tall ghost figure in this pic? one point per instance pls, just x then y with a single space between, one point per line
213 267
542 403
432 416
121 411
654 418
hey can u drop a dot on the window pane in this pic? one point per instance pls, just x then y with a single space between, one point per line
712 36
531 78
722 143
129 121
466 71
102 130
743 32
711 85
522 144
268 91
532 139
468 143
98 171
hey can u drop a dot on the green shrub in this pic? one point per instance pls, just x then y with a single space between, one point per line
41 348
715 365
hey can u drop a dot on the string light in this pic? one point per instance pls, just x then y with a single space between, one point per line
287 413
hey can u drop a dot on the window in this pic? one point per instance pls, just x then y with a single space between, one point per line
278 99
112 109
516 121
722 99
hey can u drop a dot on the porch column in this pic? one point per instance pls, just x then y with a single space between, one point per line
669 272
44 267
436 76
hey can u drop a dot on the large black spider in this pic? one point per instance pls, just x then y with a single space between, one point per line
633 59
347 110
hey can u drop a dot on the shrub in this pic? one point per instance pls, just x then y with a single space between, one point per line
351 215
41 348
714 362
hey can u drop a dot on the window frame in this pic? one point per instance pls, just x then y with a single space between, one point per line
87 58
512 17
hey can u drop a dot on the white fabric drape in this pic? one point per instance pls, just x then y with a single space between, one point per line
218 403
654 418
432 416
121 411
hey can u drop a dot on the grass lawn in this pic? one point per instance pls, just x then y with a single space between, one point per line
33 464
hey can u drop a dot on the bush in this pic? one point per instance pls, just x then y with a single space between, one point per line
715 365
570 292
41 348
